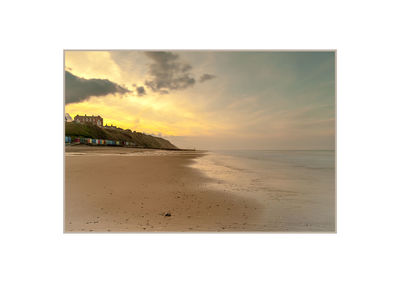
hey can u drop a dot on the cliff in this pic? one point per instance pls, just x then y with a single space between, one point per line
90 131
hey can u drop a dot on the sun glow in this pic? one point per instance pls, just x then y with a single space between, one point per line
150 114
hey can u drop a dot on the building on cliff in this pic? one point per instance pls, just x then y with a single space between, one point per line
67 118
94 120
110 127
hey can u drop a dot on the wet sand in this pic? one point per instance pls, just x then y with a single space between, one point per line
136 190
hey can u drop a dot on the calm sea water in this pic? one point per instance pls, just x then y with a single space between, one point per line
295 187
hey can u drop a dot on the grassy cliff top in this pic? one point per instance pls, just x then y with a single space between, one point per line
94 132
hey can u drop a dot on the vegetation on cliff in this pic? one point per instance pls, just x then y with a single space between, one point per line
91 131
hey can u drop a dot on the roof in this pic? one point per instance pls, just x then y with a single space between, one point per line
79 116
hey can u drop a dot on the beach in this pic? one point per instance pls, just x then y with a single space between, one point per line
119 189
132 190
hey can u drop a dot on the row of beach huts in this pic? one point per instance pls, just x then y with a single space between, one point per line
89 141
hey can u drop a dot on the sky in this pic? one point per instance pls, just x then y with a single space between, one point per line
209 99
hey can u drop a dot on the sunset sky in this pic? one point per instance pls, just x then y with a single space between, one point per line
209 99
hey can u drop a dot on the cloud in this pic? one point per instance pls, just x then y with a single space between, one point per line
140 91
168 73
206 77
79 89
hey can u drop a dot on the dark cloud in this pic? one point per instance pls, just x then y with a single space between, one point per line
79 89
140 91
206 77
168 73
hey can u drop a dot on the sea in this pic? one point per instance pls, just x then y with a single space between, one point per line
296 188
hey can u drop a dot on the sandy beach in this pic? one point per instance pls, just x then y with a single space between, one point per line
137 190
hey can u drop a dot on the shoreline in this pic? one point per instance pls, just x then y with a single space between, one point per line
132 190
